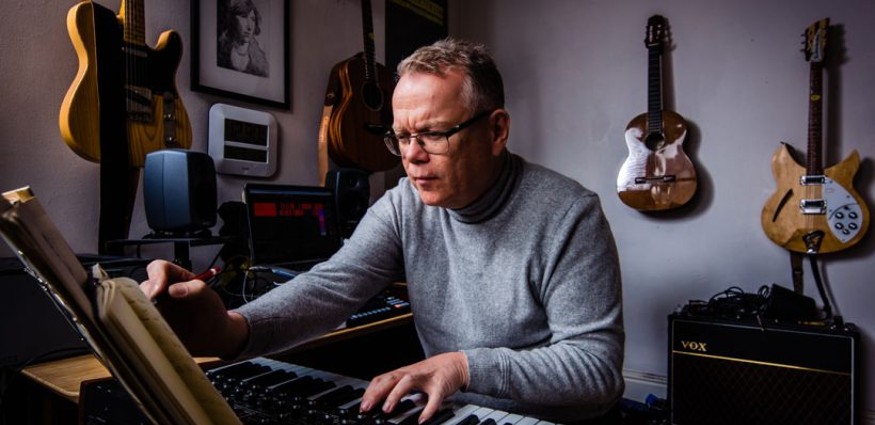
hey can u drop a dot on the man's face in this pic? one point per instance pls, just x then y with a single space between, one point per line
425 102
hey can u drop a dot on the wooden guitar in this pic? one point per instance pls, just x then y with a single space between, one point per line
122 104
657 174
115 60
357 108
814 211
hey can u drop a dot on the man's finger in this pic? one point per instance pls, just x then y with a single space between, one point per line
431 407
403 387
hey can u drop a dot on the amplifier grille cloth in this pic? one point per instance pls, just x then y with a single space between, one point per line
709 390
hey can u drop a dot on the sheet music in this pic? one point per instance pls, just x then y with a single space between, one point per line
128 334
184 389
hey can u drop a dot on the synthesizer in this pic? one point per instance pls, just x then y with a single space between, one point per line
270 392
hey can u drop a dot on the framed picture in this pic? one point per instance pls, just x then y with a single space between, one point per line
240 50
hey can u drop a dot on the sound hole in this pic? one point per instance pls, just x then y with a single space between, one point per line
654 141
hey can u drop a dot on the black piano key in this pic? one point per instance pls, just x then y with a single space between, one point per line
338 396
271 378
488 421
238 371
471 419
440 417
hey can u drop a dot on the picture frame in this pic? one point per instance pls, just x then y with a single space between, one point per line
255 70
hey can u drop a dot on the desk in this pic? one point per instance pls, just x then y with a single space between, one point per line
64 376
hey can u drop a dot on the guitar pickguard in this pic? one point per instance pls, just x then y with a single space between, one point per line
843 213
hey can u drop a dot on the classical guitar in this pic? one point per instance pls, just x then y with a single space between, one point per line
657 174
114 59
814 210
358 108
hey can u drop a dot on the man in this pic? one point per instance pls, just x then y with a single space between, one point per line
512 269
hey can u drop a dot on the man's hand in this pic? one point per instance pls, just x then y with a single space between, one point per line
438 377
194 311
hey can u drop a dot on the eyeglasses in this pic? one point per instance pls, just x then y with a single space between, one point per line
433 142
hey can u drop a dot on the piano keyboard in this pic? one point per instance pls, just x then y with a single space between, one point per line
266 391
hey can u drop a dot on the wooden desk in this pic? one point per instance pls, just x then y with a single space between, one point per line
65 376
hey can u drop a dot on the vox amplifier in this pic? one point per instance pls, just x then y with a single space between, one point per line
729 372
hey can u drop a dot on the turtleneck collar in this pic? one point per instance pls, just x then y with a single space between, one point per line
491 202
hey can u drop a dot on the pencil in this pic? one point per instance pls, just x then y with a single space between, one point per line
212 271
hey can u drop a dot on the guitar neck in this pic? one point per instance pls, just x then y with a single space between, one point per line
368 35
132 12
654 89
814 165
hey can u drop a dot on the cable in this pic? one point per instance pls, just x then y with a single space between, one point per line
827 308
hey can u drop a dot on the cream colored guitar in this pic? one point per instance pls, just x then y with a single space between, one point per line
815 211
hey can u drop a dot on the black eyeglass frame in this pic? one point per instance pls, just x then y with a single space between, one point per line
393 142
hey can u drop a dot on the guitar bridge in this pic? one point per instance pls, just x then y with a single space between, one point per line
658 179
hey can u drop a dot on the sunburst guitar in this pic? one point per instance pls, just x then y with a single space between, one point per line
814 210
657 174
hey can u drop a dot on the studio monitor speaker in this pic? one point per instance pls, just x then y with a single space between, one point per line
726 372
352 194
179 191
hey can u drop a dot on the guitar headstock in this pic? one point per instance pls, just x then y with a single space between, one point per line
815 41
656 31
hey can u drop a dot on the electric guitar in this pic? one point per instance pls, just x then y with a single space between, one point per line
114 60
814 211
657 174
358 109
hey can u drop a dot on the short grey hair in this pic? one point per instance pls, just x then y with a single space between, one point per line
483 88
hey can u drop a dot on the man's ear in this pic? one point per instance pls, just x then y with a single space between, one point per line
499 129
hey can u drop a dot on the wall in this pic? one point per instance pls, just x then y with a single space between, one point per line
575 72
576 75
38 65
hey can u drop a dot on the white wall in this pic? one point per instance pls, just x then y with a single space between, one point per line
38 65
575 72
576 75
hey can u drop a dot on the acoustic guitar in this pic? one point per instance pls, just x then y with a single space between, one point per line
814 211
657 174
358 109
115 60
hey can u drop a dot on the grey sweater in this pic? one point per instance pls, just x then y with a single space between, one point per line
525 282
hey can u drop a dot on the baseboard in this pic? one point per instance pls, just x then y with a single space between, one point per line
640 385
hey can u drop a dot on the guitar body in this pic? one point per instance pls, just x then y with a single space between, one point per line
841 224
657 174
157 118
814 210
154 114
79 120
360 114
